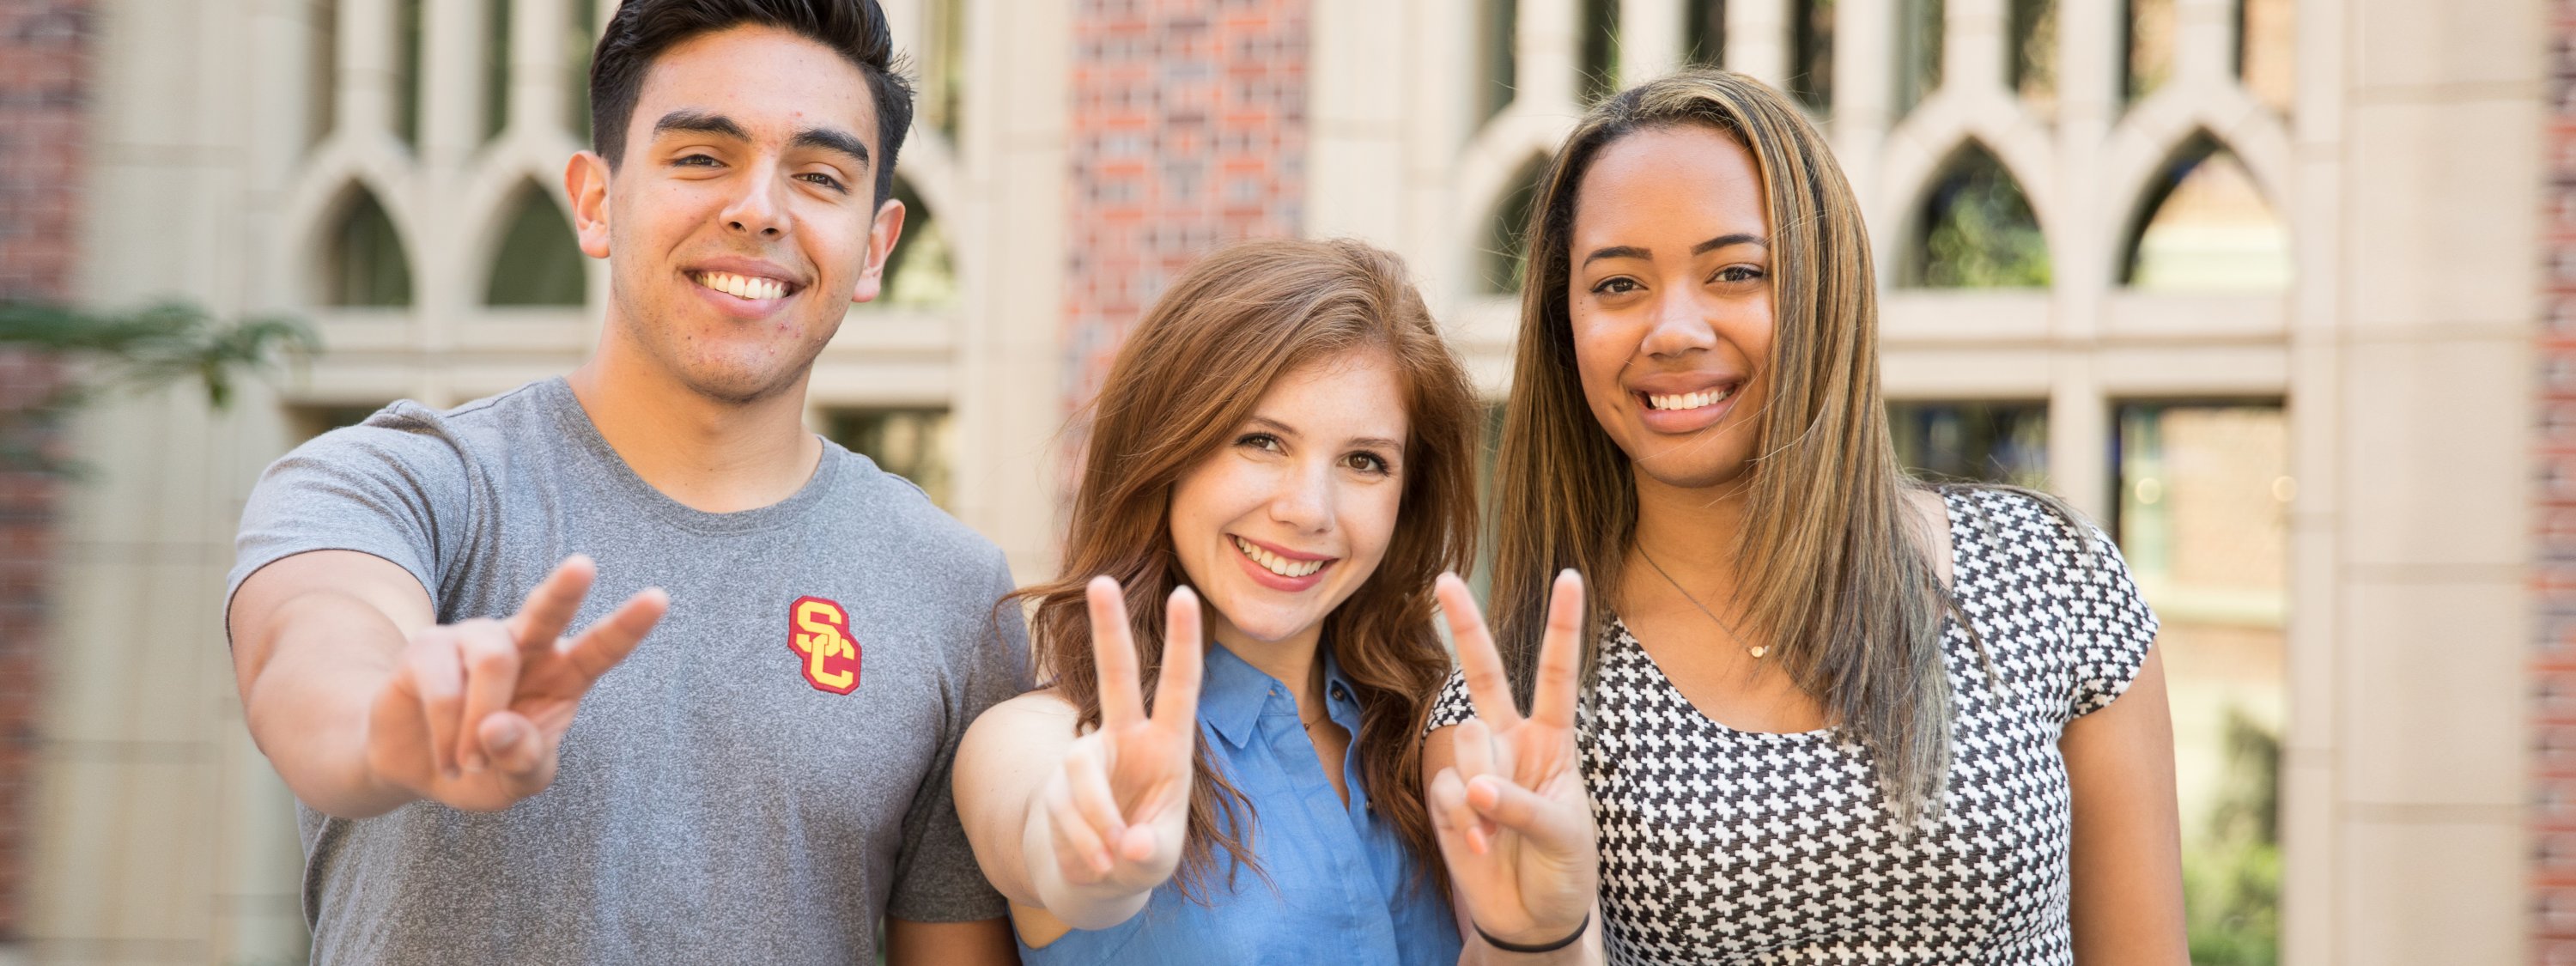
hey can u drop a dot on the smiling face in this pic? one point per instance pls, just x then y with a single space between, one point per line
1670 299
1283 523
742 218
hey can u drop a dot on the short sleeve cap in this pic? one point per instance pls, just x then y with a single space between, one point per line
1453 705
393 486
2108 626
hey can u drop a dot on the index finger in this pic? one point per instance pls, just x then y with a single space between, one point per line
1552 701
550 607
1113 655
610 640
1176 693
1487 689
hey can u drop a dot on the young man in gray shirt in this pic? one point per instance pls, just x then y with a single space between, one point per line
766 777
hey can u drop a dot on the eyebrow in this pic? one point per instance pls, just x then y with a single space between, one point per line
701 122
1703 248
1284 429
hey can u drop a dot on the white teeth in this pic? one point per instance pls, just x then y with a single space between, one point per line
1692 400
1275 563
743 286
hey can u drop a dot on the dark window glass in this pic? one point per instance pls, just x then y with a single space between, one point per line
1600 65
2033 57
407 88
920 273
1811 53
1919 31
539 261
366 262
1498 56
1704 31
910 443
1976 230
1506 253
1986 442
496 68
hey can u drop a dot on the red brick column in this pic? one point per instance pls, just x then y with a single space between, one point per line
44 60
1188 131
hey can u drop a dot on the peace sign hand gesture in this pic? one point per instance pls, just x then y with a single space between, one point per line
476 710
1512 816
1117 811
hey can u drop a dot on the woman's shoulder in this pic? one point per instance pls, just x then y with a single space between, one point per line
2021 530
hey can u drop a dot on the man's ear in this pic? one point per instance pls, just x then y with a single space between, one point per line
881 238
586 183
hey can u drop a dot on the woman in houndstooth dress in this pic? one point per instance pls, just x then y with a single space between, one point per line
1826 714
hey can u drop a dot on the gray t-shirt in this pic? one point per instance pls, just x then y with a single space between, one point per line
719 798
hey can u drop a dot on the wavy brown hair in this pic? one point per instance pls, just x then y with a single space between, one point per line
1182 387
1834 569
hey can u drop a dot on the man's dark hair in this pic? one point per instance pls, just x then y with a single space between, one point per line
642 29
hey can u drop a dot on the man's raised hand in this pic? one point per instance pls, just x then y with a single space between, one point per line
475 711
1118 809
1512 817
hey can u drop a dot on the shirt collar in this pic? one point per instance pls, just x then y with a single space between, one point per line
1233 695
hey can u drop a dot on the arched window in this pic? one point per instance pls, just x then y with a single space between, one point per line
2204 226
1704 32
1919 32
1600 63
2147 46
1506 251
496 67
2032 60
1976 229
1811 53
407 66
1497 56
539 261
364 263
919 274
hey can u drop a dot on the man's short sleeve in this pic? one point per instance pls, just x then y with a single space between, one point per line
936 878
391 487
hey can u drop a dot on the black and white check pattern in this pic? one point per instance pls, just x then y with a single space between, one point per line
1724 846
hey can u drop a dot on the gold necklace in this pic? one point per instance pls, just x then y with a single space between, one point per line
1756 651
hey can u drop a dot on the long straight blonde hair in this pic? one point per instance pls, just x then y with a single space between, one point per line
1832 567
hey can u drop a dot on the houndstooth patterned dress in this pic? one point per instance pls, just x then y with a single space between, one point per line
1724 846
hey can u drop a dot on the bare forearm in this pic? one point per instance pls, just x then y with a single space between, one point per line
308 703
984 942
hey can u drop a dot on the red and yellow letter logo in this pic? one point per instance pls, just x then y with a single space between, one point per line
818 631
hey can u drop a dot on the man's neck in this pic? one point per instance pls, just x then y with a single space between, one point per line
706 454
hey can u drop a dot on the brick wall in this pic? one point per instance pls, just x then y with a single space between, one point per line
44 48
1188 131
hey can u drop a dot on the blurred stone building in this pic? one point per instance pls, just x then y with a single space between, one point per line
2267 286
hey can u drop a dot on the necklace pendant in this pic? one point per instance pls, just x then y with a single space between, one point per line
1758 651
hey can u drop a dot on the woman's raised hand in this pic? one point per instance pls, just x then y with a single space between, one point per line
1512 816
1118 808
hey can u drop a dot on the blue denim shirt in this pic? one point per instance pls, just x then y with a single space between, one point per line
1341 884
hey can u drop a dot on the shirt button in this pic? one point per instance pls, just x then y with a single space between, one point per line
1339 694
